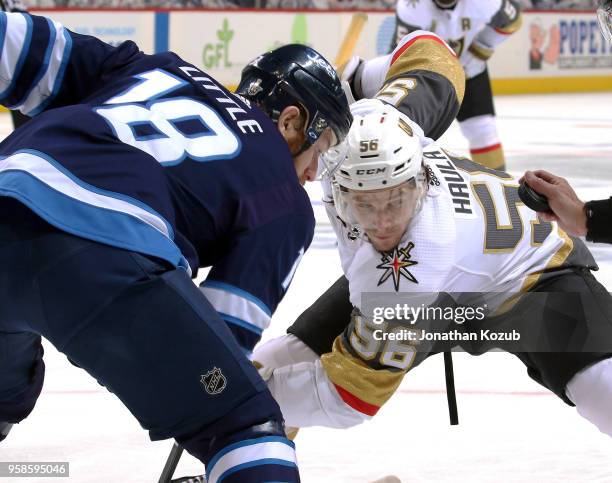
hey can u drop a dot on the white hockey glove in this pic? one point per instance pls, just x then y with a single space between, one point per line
475 58
347 73
472 65
366 106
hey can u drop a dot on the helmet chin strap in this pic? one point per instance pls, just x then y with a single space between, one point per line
305 146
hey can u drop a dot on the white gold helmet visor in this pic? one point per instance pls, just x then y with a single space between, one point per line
380 183
383 213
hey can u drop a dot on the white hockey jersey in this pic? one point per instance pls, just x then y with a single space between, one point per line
487 21
472 234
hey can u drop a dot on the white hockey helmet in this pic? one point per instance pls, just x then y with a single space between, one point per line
380 185
382 151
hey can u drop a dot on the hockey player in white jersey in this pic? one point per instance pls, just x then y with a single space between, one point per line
604 16
422 227
473 28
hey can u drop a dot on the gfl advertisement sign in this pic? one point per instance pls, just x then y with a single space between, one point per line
567 42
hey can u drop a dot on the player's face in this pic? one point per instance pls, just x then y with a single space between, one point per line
307 162
384 214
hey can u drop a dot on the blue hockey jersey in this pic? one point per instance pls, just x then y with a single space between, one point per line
150 154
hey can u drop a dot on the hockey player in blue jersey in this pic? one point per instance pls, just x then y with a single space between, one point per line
135 171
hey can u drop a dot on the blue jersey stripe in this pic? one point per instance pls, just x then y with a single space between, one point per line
252 464
5 50
43 67
93 214
242 293
247 442
59 78
241 323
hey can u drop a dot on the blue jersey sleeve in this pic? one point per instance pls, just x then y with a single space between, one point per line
246 286
44 65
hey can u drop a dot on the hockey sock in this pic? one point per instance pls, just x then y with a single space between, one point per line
591 391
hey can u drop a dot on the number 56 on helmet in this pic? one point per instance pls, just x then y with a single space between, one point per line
380 185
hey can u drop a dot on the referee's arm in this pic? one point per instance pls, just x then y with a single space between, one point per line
592 220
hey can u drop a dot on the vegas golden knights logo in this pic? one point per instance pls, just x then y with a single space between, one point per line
395 264
214 381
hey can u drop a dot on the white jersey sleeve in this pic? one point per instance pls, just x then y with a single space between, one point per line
473 27
421 77
298 382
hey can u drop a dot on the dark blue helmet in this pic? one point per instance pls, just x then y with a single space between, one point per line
298 75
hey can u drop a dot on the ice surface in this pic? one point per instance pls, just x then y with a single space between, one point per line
512 430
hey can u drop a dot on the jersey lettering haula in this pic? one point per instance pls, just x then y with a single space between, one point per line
472 235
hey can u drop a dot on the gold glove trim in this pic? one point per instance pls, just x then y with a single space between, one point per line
373 386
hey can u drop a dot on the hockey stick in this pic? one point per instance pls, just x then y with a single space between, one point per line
171 464
450 389
349 42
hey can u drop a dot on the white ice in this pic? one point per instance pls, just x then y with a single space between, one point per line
511 429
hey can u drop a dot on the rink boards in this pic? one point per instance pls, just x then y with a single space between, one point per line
552 52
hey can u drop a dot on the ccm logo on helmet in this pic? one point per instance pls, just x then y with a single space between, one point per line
361 172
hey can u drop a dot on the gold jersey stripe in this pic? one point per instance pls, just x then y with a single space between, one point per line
557 260
480 52
431 55
373 386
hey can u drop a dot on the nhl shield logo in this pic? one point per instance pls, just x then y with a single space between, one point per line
214 381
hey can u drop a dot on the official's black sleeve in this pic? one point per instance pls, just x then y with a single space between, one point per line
323 321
